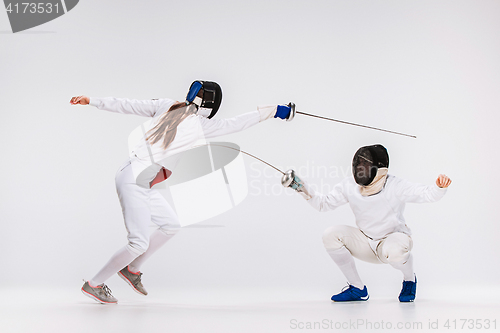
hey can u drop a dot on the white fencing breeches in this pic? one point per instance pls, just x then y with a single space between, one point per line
344 242
394 248
140 207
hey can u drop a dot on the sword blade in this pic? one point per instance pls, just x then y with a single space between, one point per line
354 124
244 152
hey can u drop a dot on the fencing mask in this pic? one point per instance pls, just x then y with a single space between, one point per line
366 163
208 104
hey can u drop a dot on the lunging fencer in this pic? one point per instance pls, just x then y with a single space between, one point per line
175 127
377 200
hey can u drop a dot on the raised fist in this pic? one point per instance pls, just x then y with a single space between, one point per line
443 181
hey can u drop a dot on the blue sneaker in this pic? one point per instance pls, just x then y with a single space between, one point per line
408 291
351 294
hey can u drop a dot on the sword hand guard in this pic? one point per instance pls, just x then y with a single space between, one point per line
290 117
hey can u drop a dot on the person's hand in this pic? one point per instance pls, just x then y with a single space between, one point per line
282 111
83 100
290 179
443 181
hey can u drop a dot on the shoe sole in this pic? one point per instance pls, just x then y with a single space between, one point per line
357 300
124 278
400 301
95 298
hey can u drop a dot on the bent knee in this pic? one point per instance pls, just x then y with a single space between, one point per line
137 247
333 238
397 251
169 231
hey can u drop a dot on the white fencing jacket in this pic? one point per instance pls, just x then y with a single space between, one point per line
147 160
381 214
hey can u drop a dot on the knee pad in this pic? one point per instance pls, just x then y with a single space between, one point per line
332 238
395 250
395 254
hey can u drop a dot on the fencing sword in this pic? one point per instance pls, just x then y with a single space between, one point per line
287 180
293 112
244 152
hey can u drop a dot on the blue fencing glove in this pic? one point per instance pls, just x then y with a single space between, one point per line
282 111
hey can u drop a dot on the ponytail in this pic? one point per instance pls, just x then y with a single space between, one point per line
166 128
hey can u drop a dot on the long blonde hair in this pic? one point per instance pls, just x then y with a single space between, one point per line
166 128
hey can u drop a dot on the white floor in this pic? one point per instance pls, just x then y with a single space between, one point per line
68 311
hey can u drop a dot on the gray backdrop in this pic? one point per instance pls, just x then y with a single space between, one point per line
428 68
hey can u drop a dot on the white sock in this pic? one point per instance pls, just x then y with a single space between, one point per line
344 259
406 268
120 259
156 241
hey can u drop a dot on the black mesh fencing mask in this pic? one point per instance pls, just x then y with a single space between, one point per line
210 98
366 163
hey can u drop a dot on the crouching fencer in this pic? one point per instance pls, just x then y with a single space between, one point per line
377 200
175 127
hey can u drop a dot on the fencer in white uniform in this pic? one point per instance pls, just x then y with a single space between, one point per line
175 127
381 235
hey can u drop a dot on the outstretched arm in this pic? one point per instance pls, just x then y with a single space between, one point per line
217 127
418 193
145 108
318 200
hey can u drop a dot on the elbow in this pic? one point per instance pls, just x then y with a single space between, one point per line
322 208
319 204
432 197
